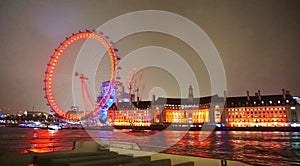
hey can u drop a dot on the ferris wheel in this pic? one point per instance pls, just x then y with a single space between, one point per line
106 100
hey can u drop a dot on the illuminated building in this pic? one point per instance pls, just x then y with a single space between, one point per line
111 99
167 110
242 111
119 91
189 110
130 114
258 110
297 110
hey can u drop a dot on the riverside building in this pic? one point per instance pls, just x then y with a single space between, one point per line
167 110
242 111
261 110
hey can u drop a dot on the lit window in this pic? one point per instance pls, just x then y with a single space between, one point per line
271 102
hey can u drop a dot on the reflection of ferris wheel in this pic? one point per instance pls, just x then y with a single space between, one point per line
106 99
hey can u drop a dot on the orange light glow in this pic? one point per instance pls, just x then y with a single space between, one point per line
69 40
187 116
268 116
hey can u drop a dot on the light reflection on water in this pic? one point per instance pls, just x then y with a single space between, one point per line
268 148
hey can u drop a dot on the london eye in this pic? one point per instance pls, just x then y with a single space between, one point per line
106 100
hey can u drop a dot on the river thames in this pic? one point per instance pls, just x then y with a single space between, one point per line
255 148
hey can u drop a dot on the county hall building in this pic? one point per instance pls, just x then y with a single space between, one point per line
243 111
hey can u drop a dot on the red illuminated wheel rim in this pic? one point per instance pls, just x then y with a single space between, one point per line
112 52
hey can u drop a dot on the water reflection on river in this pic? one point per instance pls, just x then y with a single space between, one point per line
269 148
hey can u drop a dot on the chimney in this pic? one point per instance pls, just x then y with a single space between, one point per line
131 97
283 94
259 96
153 98
137 100
225 95
248 97
287 92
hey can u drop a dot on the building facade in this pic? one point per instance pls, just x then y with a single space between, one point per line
242 111
259 110
167 110
131 114
189 110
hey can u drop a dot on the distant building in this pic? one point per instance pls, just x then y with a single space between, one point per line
119 91
74 110
260 110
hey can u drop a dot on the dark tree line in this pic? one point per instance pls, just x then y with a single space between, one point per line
31 117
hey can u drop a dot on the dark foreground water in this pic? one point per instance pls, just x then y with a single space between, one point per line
256 148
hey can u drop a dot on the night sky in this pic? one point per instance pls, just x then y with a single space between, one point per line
258 42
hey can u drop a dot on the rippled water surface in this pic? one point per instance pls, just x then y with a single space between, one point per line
256 148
